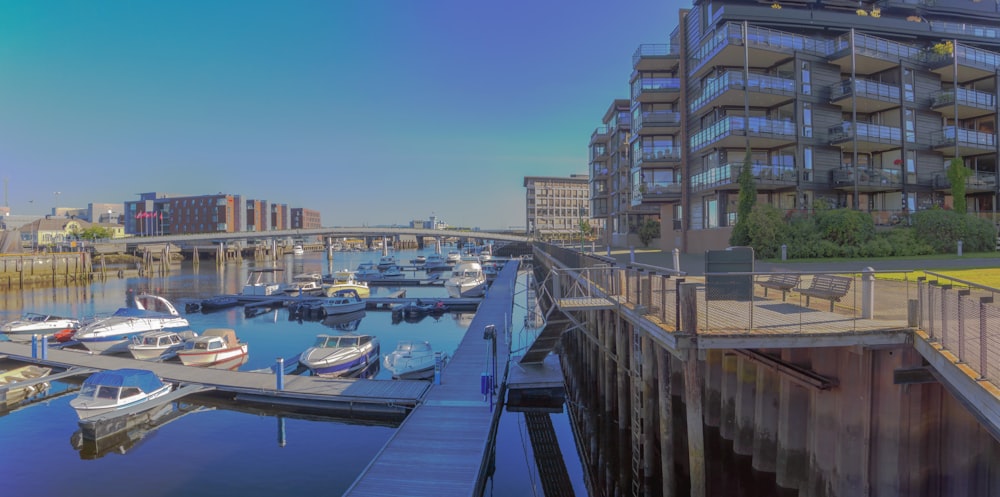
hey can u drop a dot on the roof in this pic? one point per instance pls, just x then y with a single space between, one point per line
146 380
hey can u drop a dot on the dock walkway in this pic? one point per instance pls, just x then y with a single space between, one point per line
442 447
337 396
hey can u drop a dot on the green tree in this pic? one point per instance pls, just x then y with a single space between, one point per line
744 205
957 174
94 233
649 230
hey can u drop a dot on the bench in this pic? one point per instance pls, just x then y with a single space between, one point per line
780 281
825 286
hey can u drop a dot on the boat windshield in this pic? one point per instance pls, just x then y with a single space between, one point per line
106 392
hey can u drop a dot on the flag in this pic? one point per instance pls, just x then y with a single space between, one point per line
138 215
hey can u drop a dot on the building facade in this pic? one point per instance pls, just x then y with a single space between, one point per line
555 206
167 214
837 104
305 218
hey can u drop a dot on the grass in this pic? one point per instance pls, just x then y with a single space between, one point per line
986 275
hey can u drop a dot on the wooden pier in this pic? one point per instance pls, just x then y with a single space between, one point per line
443 446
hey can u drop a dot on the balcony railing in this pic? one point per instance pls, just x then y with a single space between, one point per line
654 50
733 80
655 118
728 174
876 47
865 132
866 89
658 154
966 137
754 126
966 55
961 28
868 177
645 85
979 181
970 98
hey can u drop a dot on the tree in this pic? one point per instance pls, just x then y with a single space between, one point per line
94 233
957 174
744 206
649 230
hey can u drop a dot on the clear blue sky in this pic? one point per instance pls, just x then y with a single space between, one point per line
372 112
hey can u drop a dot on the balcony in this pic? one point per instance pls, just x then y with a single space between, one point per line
972 63
600 135
658 122
969 103
657 156
656 57
766 48
599 171
870 96
868 179
727 176
656 90
732 132
979 182
656 191
871 55
727 90
871 137
968 142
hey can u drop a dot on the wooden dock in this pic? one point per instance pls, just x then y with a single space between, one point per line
343 397
443 446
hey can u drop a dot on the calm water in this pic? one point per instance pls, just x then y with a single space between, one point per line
223 450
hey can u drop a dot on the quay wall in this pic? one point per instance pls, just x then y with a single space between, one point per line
821 418
59 268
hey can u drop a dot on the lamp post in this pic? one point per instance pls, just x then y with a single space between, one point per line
55 208
583 212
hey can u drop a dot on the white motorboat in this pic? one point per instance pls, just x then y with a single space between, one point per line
392 272
156 344
385 261
419 260
305 284
215 346
32 323
340 355
343 302
298 250
453 257
467 280
108 391
344 279
436 264
367 271
413 360
263 281
111 335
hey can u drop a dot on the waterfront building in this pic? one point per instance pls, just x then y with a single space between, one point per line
279 217
305 218
835 104
50 231
555 206
105 213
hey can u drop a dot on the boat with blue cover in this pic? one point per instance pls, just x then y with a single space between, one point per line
108 391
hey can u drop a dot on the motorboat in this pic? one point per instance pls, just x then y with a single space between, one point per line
108 391
386 261
491 270
214 346
156 344
367 271
436 264
344 279
218 302
298 250
343 302
10 378
467 280
453 257
392 272
263 282
413 360
33 323
419 260
340 355
419 309
111 335
305 284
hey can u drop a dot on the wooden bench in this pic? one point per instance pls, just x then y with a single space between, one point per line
825 286
780 281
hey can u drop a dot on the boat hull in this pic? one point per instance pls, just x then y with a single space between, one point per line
341 366
112 336
211 357
90 409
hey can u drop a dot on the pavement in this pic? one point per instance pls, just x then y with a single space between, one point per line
694 264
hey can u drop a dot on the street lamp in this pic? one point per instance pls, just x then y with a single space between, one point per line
55 209
583 212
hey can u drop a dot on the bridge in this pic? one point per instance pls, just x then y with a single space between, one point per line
333 232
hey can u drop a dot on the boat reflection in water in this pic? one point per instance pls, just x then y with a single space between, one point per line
344 322
121 442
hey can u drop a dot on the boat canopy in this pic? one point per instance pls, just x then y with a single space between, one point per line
145 380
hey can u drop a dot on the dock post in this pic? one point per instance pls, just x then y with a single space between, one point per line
34 346
45 347
279 373
437 368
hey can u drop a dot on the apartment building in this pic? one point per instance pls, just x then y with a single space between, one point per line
836 104
305 219
554 206
169 214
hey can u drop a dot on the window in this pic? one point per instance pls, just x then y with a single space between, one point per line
711 213
806 79
908 84
910 134
807 120
807 164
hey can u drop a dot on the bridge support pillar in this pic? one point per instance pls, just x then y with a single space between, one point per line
792 463
746 405
667 438
695 425
713 387
727 425
765 421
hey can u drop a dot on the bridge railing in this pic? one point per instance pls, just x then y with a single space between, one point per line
964 319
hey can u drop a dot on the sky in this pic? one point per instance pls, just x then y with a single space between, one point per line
373 112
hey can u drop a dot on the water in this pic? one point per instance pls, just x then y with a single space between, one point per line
227 449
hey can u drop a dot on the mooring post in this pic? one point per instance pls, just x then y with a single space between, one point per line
437 368
34 346
279 373
45 347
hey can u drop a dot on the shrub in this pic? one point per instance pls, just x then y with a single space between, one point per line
846 227
649 230
942 230
765 231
